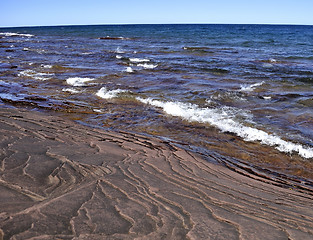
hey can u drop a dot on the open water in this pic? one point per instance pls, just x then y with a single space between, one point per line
238 92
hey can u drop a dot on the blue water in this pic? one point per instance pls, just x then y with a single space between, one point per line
243 91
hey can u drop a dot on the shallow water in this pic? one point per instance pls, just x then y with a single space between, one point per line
239 91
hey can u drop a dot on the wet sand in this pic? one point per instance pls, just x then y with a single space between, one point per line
62 180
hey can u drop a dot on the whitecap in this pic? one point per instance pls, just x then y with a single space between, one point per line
71 90
35 75
147 66
106 94
220 119
78 81
250 88
118 56
43 76
139 60
267 97
47 66
87 53
129 70
40 51
10 34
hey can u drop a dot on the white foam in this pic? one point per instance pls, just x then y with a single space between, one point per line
129 70
71 90
147 66
78 81
118 56
10 34
40 51
250 88
35 75
221 119
87 53
139 60
47 66
267 97
106 94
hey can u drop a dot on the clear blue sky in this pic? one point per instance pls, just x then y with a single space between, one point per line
77 12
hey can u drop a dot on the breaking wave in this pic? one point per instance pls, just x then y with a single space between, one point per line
106 94
250 88
221 119
10 34
139 60
147 66
78 81
35 75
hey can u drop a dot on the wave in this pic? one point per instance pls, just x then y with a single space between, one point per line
10 34
147 66
106 94
199 49
220 119
47 66
78 81
119 50
113 38
139 60
250 88
71 90
129 70
35 75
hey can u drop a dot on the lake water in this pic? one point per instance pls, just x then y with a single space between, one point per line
241 93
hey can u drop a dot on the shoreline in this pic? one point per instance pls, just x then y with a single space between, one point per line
60 179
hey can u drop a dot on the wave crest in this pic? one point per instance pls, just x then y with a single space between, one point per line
223 121
106 94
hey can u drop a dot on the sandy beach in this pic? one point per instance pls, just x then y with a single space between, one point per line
62 180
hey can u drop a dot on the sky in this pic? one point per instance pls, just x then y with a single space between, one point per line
15 13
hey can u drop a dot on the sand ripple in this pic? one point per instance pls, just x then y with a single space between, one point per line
61 180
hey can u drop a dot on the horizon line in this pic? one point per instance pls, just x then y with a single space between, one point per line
125 24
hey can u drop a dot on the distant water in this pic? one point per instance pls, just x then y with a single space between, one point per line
244 92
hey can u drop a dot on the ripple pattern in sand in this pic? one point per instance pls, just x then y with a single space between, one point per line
61 180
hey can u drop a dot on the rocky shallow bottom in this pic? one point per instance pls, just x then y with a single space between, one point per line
62 180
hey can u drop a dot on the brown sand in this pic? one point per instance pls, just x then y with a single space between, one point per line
61 180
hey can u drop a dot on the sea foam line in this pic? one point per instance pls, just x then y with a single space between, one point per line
221 120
